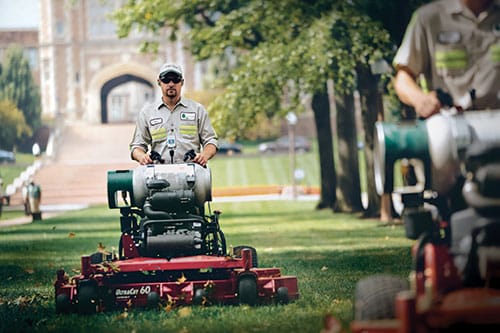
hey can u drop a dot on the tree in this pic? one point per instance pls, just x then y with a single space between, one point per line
18 86
13 126
278 45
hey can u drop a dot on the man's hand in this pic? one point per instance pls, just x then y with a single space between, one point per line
208 152
427 105
201 159
141 156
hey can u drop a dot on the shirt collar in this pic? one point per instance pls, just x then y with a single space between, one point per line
160 103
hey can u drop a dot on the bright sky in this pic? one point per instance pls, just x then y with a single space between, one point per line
19 14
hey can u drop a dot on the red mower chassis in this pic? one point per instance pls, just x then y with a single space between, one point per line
149 282
439 301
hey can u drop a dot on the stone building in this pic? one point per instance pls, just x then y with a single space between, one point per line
88 73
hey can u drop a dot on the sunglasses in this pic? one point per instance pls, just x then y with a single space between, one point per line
167 79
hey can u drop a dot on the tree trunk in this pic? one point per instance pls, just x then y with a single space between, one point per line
371 109
349 188
321 108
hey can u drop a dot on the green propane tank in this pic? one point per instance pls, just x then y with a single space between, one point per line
394 142
119 182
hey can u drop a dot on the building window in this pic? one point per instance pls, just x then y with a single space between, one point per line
59 29
99 24
31 54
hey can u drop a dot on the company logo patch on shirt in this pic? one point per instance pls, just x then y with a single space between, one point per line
155 121
449 37
188 116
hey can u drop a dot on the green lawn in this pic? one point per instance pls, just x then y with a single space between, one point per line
8 172
262 169
327 252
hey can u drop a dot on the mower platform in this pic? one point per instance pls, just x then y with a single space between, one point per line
150 282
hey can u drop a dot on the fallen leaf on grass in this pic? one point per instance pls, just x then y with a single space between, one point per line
71 235
122 316
184 312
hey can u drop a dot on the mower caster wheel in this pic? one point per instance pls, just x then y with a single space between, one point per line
247 290
87 299
153 300
199 296
63 303
282 296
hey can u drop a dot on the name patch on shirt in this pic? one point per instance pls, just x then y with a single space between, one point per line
188 116
155 121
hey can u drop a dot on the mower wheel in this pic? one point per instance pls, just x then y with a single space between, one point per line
374 297
237 253
63 303
87 299
153 300
282 296
247 290
199 295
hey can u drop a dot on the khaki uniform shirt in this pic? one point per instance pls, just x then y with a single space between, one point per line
455 51
186 127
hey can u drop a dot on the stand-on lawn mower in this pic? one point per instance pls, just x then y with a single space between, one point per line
170 252
455 280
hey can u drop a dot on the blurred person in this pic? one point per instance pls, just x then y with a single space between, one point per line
454 46
174 125
451 46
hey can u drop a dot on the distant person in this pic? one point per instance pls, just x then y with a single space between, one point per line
35 149
173 125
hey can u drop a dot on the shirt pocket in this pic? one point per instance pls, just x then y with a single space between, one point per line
451 60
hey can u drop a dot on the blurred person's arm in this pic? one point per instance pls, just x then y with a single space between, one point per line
409 92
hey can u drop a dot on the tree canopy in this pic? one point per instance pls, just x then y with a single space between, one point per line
13 125
17 86
275 46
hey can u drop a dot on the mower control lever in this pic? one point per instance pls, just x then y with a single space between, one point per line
189 155
155 156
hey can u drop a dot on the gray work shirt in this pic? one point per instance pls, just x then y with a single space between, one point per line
185 127
455 51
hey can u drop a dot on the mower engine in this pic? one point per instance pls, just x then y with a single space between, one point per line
172 197
439 142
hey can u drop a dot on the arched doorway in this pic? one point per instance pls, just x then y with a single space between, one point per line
120 105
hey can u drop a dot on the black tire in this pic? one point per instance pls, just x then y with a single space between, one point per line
199 296
282 296
247 290
63 303
237 253
153 300
87 299
374 297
